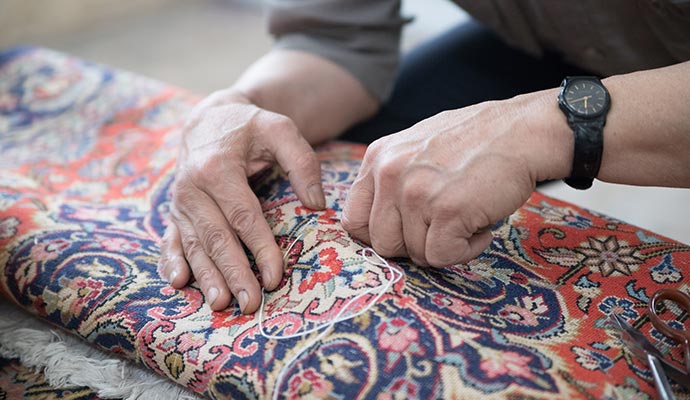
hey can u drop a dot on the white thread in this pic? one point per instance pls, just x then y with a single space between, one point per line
396 274
326 327
303 231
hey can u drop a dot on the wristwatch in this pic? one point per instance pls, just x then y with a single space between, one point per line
585 102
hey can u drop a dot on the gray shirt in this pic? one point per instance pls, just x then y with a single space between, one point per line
604 36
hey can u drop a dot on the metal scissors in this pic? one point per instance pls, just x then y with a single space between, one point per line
642 348
681 336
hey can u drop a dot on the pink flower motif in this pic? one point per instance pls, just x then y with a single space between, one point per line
401 388
120 244
309 383
496 363
275 217
8 227
189 341
46 251
89 214
458 306
332 235
368 279
519 315
78 293
461 308
396 335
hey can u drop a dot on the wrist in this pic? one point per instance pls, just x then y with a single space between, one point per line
552 141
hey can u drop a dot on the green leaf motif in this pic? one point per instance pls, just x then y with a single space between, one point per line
175 363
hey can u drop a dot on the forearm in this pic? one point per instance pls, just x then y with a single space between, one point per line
322 98
647 133
647 136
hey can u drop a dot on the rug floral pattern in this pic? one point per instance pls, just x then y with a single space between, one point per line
86 168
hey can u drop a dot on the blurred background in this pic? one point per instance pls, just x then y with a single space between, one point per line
204 45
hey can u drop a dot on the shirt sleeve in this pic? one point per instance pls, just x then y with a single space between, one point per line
362 36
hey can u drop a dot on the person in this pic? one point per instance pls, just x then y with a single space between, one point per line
465 126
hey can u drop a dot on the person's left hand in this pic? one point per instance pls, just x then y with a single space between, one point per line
433 191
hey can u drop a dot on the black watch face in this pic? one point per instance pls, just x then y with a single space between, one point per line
586 98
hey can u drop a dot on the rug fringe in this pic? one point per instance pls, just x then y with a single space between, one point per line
67 361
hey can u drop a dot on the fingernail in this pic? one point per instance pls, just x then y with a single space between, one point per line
316 197
267 277
212 295
243 298
172 276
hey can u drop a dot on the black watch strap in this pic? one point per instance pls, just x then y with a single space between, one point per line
589 144
587 120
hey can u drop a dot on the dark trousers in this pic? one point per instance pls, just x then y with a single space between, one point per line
464 66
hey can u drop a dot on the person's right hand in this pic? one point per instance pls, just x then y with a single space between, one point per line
213 211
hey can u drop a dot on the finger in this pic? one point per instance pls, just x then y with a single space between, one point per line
414 234
173 265
357 210
385 226
209 277
242 211
476 245
303 169
415 193
217 224
449 243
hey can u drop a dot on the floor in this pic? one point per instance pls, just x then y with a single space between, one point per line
206 44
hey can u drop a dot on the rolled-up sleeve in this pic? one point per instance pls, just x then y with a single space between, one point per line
362 36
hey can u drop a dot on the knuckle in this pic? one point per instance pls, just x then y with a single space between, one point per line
444 209
232 273
419 260
351 225
215 242
190 245
264 250
242 220
376 147
346 222
417 255
414 192
388 171
206 173
385 248
306 161
280 124
447 114
204 274
374 150
439 259
182 192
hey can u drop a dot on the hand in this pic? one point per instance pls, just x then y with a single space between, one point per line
214 211
432 191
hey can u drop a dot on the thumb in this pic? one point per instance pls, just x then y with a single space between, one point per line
303 169
355 218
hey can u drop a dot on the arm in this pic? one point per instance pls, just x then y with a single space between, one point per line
647 138
320 97
647 134
468 168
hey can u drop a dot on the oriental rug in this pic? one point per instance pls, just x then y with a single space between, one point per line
86 167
